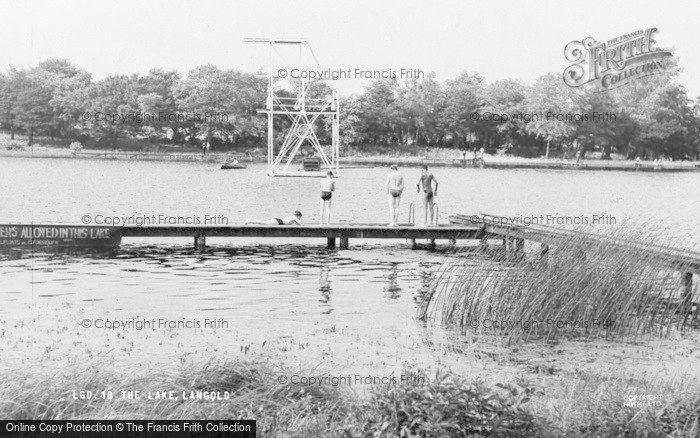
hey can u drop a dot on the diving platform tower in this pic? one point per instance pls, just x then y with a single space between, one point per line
298 102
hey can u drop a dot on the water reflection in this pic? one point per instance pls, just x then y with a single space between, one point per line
392 289
257 278
325 288
427 283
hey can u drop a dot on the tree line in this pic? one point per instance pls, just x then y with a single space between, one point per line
651 117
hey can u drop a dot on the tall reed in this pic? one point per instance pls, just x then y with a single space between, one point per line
579 288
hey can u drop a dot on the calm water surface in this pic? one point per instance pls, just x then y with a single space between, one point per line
285 293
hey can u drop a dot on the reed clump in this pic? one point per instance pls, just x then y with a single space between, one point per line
576 289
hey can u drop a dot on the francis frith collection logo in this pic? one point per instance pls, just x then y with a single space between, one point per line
616 62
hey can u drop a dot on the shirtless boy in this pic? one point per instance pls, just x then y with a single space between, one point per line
394 188
426 180
327 189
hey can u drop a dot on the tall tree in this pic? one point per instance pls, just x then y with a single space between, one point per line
32 110
505 99
8 100
156 97
211 96
352 126
420 102
37 111
378 107
112 102
462 99
552 100
69 102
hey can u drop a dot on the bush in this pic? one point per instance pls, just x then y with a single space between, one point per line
75 147
448 406
11 145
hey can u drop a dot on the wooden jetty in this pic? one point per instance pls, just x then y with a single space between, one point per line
514 237
481 227
77 235
342 233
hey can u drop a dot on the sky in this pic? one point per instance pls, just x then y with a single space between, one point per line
500 39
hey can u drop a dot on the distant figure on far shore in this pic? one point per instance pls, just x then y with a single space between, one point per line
426 180
327 189
289 220
394 188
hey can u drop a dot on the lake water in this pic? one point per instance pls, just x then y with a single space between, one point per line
353 309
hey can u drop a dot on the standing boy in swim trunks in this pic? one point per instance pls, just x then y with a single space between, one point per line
289 220
394 188
327 189
426 180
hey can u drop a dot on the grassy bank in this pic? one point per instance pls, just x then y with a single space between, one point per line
442 405
59 147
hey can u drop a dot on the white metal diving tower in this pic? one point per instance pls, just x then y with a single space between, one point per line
292 95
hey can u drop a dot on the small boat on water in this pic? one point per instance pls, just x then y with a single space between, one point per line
233 165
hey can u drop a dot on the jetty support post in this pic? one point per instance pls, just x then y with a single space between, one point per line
344 242
413 244
200 240
331 243
484 243
520 245
508 243
687 297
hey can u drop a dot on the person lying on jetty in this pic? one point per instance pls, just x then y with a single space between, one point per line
289 220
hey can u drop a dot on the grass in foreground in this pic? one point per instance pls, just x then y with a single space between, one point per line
444 406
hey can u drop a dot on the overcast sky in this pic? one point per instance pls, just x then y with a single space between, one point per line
498 39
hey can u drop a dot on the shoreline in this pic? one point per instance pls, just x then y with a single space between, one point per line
347 162
540 387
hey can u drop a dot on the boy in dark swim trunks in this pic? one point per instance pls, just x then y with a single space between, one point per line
426 180
394 188
327 189
289 220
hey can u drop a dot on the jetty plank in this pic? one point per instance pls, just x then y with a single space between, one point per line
677 259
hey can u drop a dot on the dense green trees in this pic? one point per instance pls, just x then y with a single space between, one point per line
649 118
57 99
